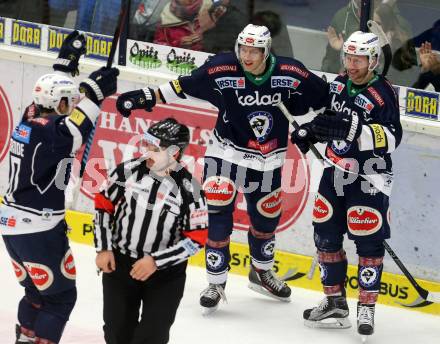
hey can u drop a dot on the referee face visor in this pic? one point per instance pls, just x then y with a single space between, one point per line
158 158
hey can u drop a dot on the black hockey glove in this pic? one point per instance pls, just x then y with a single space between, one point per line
138 99
303 137
100 84
336 126
71 50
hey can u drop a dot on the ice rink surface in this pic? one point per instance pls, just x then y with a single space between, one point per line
247 318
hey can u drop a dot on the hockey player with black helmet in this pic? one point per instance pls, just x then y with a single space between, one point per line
361 128
149 219
51 130
247 148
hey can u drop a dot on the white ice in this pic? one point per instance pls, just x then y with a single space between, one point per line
248 318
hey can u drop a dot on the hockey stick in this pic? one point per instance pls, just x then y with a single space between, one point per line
75 186
428 297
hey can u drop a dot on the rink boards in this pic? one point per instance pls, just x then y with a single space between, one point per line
395 289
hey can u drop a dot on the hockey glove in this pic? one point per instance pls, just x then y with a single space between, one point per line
138 99
303 137
71 50
100 84
336 126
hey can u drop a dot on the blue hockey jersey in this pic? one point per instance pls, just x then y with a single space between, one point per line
377 106
250 130
40 153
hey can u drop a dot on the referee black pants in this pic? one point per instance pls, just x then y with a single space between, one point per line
157 299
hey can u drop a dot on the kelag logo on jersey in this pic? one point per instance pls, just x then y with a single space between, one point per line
336 87
265 99
22 133
284 81
236 83
261 123
422 104
364 103
340 107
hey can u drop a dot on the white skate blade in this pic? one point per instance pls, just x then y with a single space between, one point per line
330 323
260 290
206 311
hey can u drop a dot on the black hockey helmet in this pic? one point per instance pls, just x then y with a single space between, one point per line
169 132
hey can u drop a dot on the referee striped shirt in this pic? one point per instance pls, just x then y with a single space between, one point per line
139 213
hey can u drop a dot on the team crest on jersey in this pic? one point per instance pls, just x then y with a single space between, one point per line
231 82
340 147
369 276
261 123
214 259
22 133
284 81
364 103
268 248
336 87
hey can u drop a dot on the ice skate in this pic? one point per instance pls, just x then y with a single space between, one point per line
21 337
332 312
267 283
211 296
365 320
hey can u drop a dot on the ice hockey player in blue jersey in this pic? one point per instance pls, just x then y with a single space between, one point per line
361 128
32 222
246 150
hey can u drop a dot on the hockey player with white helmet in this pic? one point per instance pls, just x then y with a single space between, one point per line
51 130
247 147
361 128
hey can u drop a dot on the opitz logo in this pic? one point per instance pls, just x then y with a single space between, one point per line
266 99
261 123
237 83
214 259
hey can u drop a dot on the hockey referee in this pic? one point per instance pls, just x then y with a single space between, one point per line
149 219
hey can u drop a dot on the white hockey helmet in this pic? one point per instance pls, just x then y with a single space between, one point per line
254 36
51 88
363 44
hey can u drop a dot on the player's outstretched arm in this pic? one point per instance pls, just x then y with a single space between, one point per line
70 52
144 99
100 84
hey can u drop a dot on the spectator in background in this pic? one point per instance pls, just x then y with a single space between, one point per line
97 16
145 19
179 24
281 41
227 19
347 20
430 72
406 56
